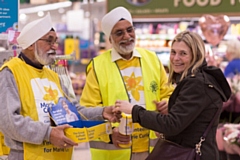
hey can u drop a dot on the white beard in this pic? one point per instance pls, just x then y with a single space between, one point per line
124 50
44 58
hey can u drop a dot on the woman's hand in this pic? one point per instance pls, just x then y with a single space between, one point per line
123 106
162 107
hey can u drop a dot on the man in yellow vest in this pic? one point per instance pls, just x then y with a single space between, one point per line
28 88
127 73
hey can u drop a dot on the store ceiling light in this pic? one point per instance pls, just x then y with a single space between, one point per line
22 17
45 7
40 13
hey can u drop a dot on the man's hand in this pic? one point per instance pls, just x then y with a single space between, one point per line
109 114
162 107
58 138
118 138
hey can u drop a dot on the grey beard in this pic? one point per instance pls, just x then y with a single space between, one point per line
127 50
43 60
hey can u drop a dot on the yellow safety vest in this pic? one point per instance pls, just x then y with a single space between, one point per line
112 88
47 90
4 150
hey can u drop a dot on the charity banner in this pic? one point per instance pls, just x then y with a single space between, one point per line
85 134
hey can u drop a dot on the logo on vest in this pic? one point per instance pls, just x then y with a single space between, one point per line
45 106
154 87
51 94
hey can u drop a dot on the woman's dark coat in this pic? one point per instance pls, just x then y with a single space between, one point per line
192 106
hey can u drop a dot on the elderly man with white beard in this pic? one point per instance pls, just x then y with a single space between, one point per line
127 73
28 88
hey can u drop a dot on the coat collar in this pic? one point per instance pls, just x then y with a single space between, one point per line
213 77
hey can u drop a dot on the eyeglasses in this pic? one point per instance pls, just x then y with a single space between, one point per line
50 41
120 33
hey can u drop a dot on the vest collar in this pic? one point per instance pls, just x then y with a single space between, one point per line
28 61
116 56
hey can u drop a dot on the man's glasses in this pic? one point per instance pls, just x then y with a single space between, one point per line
120 33
50 41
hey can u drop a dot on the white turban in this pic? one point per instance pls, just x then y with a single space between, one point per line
111 18
34 31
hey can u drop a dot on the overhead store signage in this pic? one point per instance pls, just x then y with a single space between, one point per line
8 15
157 8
